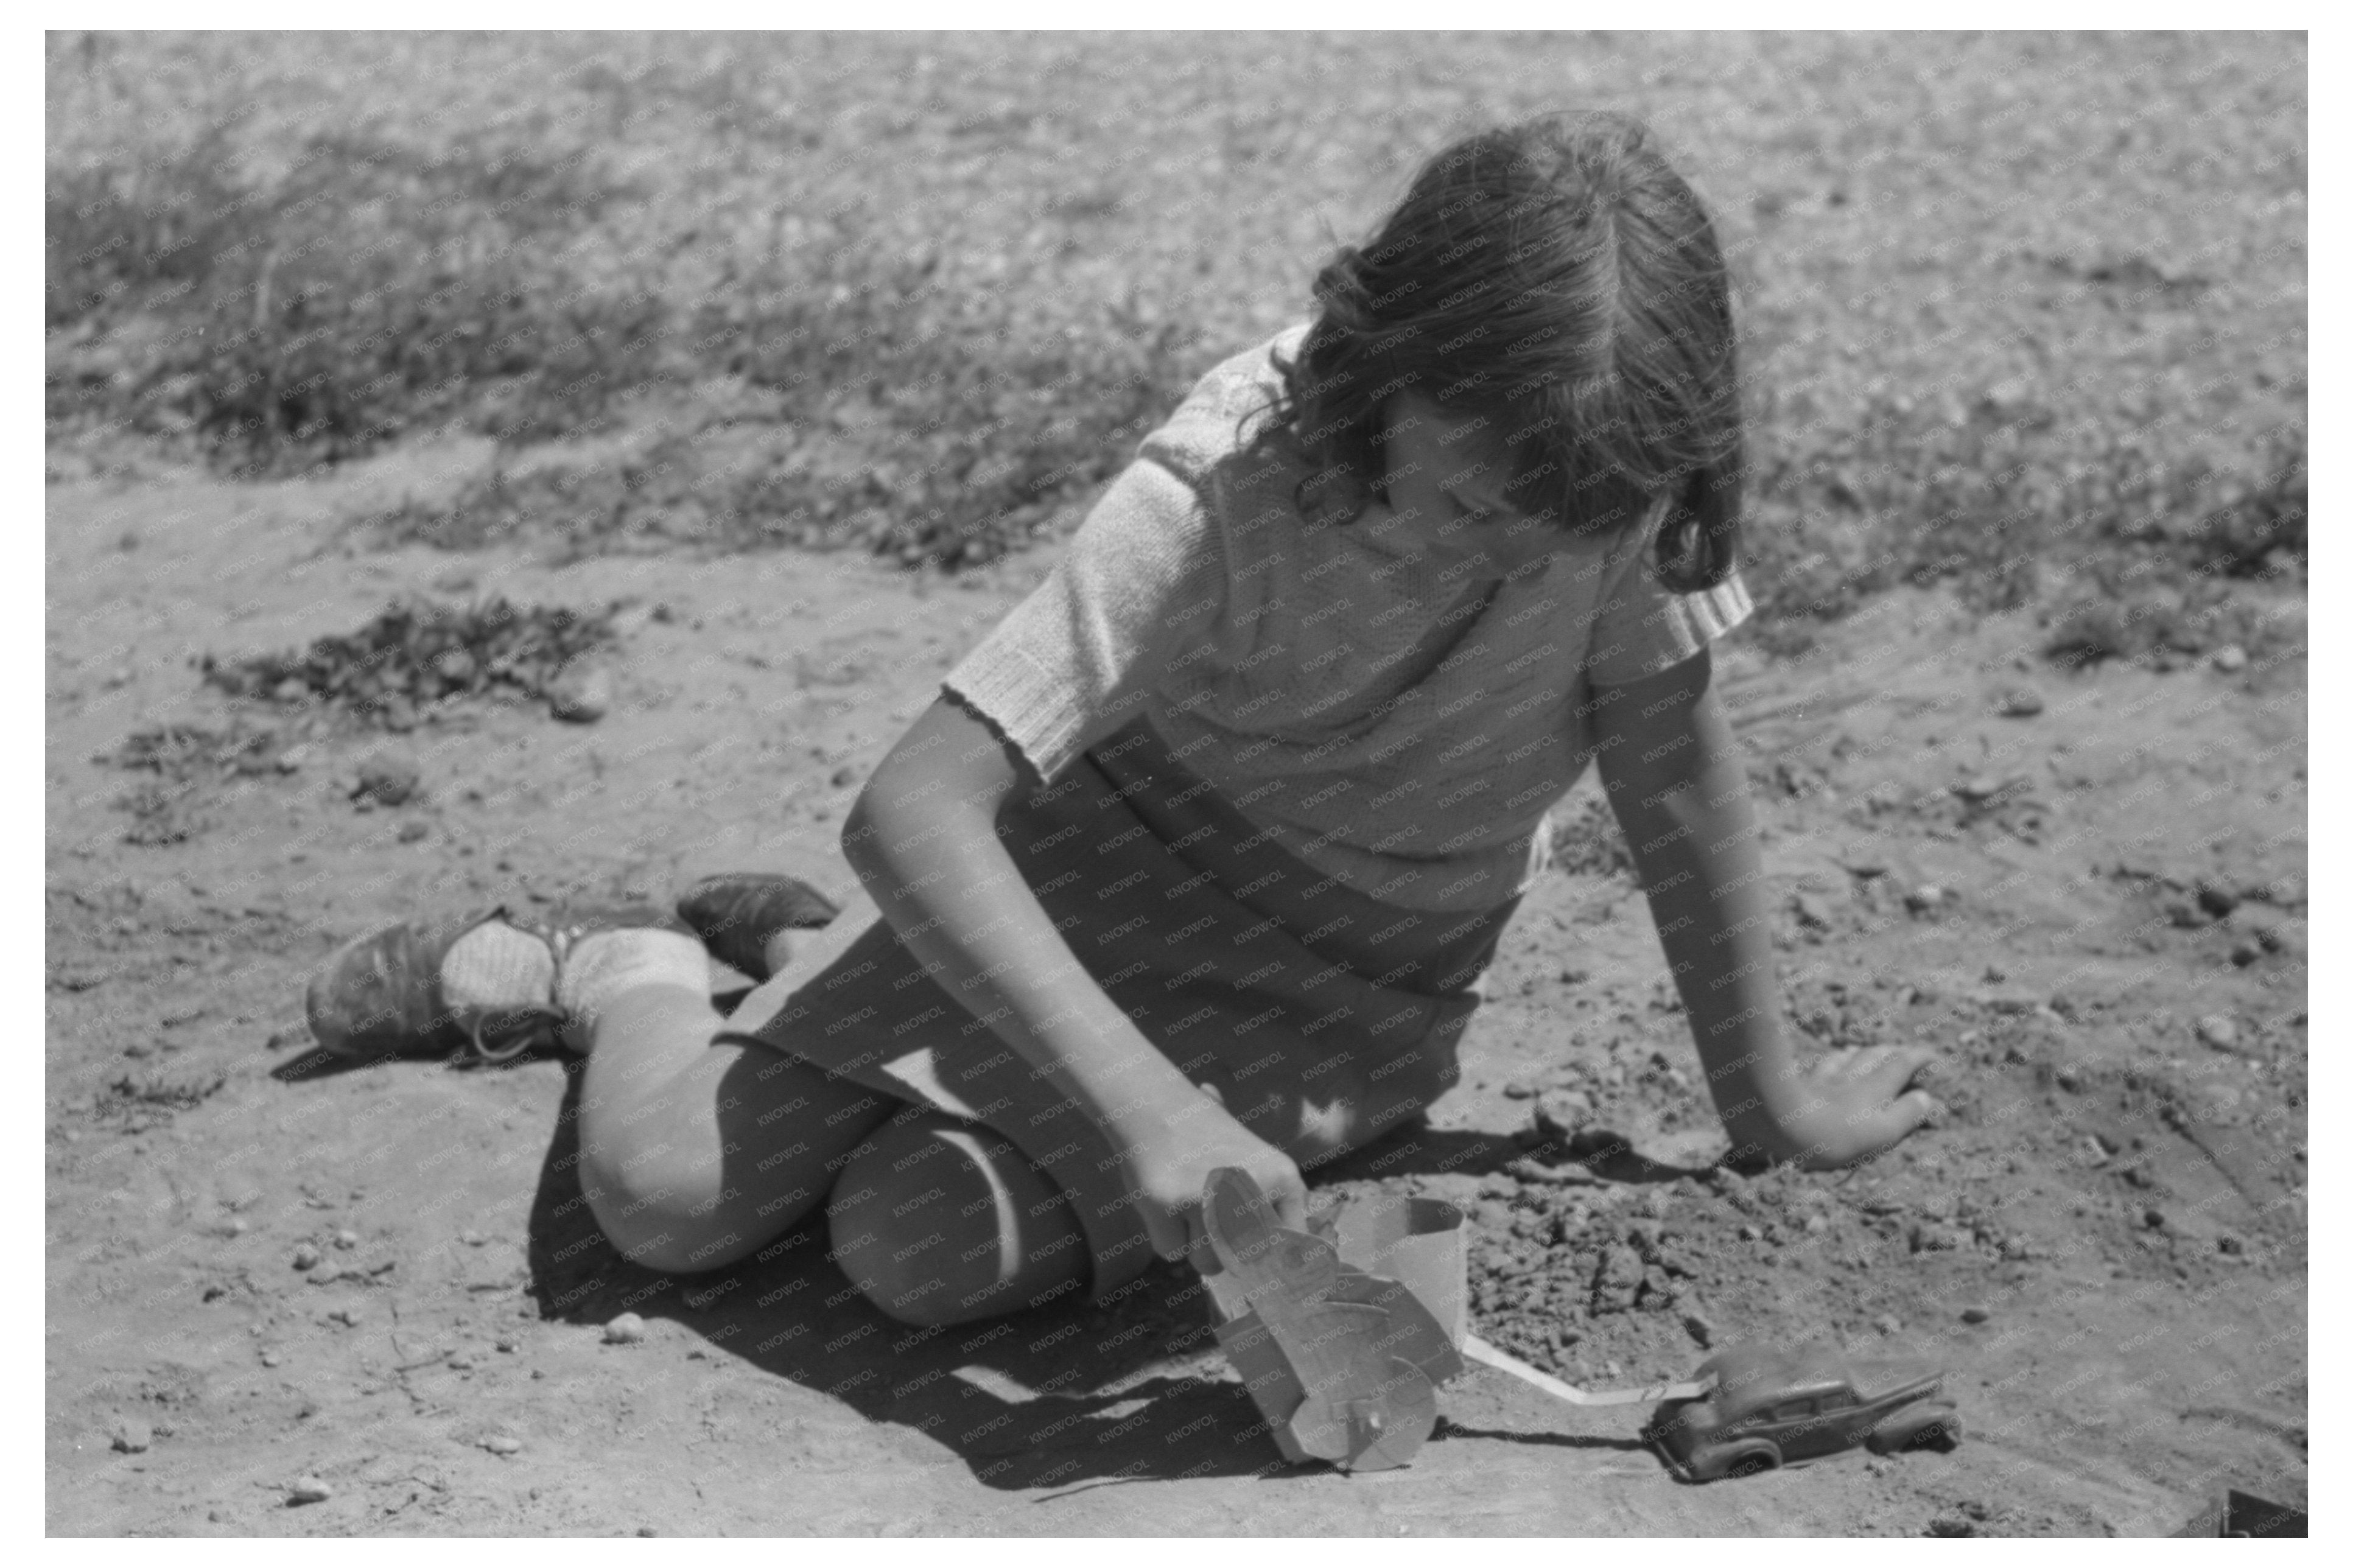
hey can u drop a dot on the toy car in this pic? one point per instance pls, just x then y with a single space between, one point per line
1772 1407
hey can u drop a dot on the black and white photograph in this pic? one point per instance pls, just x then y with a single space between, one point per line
1349 774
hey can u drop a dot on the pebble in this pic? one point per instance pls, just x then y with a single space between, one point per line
1934 1238
626 1329
387 778
2068 1079
473 1238
2217 1032
1926 896
309 1489
2230 659
347 1239
1701 1329
350 1317
581 699
1888 1323
502 1444
306 1255
133 1435
1816 1224
1809 912
461 1362
1560 1112
1975 1314
2216 897
2246 952
1519 1090
507 1347
410 832
2153 1219
2020 703
271 1358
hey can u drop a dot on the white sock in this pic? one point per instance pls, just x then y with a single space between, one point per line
498 969
603 966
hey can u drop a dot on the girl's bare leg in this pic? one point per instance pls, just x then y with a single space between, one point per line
697 1149
696 1152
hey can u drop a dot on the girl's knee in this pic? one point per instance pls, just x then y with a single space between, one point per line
938 1222
678 1216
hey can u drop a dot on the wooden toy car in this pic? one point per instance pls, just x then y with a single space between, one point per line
1774 1407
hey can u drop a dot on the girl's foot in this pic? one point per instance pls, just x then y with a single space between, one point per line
485 979
743 916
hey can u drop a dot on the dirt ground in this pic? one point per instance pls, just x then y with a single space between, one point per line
2096 909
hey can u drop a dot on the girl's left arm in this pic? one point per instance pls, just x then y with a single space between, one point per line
1674 777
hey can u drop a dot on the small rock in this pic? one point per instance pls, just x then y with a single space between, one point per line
473 1238
2216 897
1575 976
2230 659
502 1444
1702 1329
1935 1239
133 1435
1951 1527
460 1362
626 1329
309 1489
2244 953
843 777
2217 1032
327 1274
1559 1112
581 699
2020 703
347 1239
1923 897
1888 1323
350 1317
306 1255
410 832
1816 1224
2185 915
271 1358
507 1347
386 778
2153 1219
1519 1089
2068 1079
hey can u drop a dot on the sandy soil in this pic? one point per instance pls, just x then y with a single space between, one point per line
2104 1241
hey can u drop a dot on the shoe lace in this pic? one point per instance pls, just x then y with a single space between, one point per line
517 1032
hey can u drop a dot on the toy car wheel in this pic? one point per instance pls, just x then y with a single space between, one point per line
1920 1429
1742 1459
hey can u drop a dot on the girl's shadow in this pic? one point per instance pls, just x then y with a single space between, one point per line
1132 1387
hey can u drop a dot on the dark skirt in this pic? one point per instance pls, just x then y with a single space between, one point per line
1321 1016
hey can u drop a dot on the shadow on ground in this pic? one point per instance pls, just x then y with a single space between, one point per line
1129 1388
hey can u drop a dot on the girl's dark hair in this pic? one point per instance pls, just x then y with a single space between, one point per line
1558 277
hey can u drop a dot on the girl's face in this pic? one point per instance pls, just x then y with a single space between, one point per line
1447 478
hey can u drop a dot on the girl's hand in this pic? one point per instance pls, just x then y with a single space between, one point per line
1858 1102
1170 1166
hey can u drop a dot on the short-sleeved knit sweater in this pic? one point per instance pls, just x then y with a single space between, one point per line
1407 741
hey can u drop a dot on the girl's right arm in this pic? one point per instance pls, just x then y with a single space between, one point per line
923 839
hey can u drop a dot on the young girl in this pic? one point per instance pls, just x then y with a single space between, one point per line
1198 856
